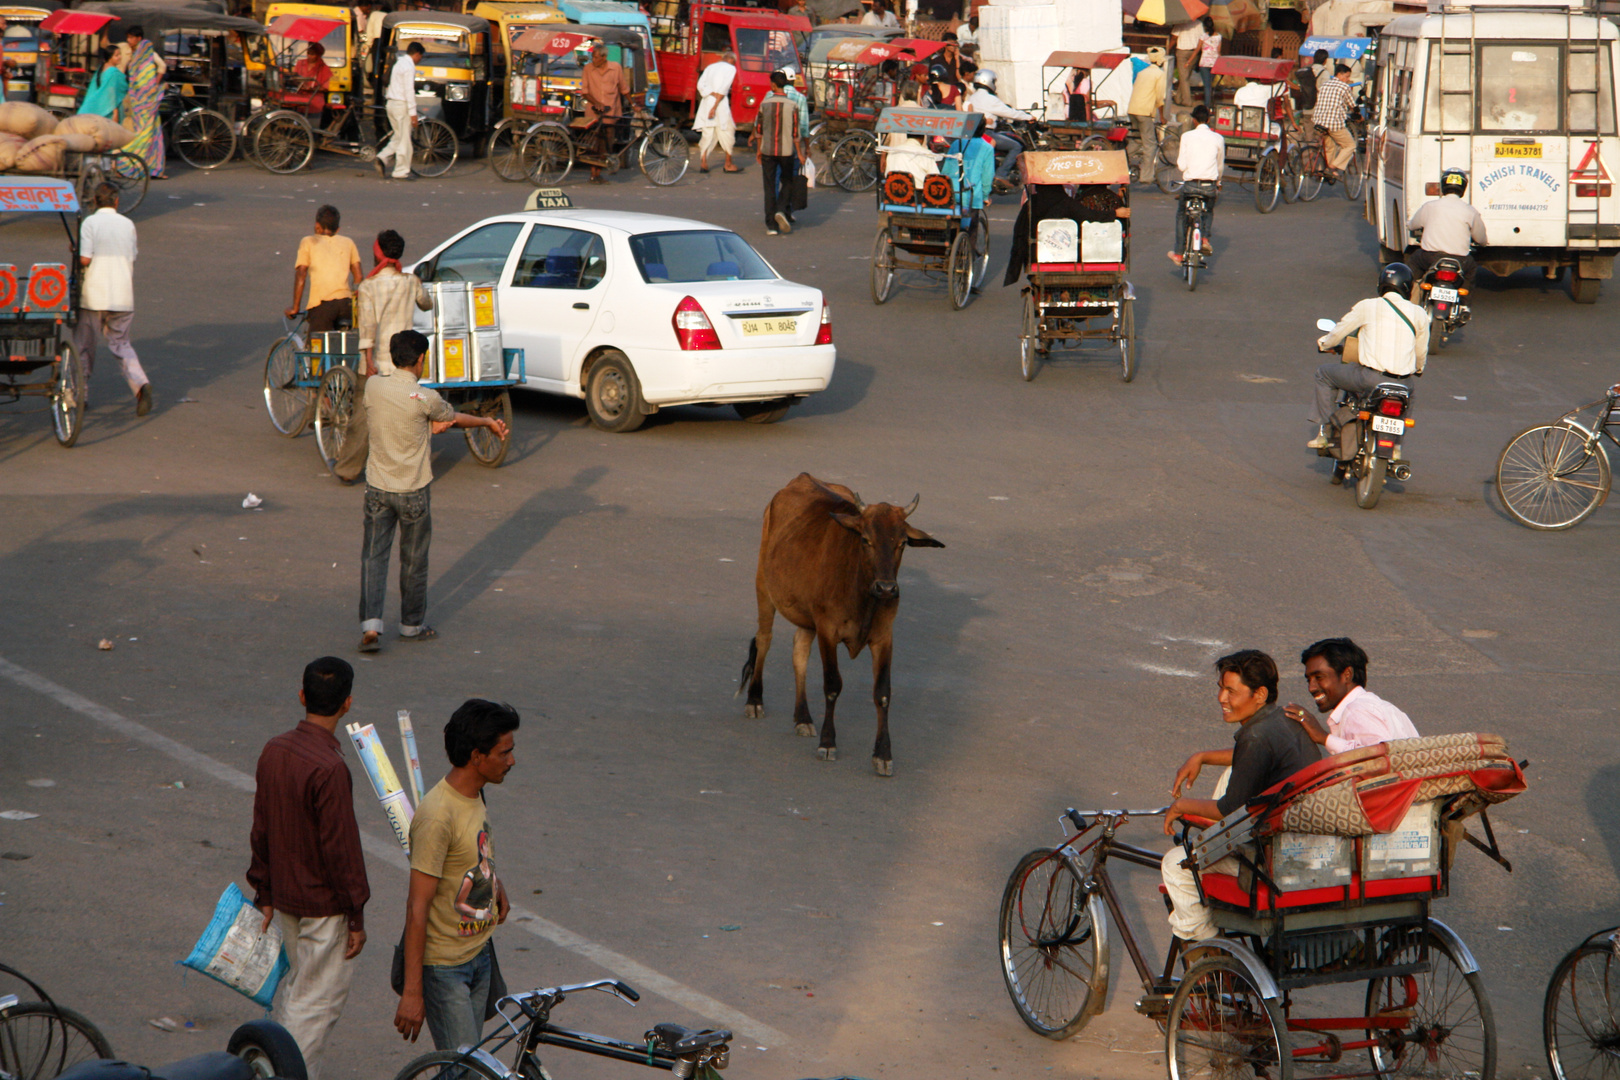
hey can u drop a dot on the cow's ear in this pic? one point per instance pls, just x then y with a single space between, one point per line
852 522
917 538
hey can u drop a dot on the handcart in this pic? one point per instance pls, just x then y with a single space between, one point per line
1260 138
39 310
935 222
1077 250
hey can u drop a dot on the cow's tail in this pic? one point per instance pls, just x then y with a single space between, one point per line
748 666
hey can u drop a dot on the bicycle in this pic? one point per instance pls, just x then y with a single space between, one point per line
1580 1025
40 1040
672 1047
1311 172
289 391
1200 195
1552 476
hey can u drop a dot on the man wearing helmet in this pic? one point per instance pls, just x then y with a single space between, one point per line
1450 226
1392 335
984 100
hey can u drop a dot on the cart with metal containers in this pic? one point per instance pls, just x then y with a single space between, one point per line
1073 235
1260 136
931 204
40 308
864 77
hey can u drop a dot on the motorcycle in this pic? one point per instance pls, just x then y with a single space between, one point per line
1365 433
1443 292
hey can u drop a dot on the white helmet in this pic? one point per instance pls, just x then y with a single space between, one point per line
986 78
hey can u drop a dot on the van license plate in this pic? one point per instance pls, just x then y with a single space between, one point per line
1389 425
763 327
1519 150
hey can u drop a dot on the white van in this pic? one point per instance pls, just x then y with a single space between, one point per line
1523 97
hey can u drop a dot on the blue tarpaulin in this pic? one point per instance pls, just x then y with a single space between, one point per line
1339 48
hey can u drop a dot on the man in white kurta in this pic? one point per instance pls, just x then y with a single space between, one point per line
713 122
107 298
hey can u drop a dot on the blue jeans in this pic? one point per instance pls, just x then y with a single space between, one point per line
454 998
1206 220
1207 77
1013 149
411 512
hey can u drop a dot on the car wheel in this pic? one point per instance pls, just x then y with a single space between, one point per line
613 394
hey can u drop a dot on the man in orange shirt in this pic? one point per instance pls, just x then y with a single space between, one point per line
605 84
327 262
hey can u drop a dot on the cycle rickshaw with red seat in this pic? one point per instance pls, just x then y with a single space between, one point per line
865 77
1260 139
1337 868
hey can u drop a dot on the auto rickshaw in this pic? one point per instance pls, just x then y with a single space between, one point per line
22 45
453 80
625 14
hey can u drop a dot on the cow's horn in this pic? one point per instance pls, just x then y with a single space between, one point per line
859 503
912 508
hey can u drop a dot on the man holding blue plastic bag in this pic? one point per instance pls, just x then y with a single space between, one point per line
307 868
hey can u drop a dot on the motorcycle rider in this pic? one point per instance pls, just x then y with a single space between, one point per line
1202 160
1393 345
1450 226
984 100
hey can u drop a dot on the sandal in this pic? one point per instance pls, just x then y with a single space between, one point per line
731 170
426 633
370 641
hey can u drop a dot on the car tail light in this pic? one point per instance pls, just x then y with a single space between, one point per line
692 326
824 335
1389 407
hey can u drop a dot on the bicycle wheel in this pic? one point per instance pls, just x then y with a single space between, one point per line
128 172
1581 1020
1552 476
284 142
546 154
485 446
1292 173
1127 340
67 396
290 405
203 139
434 148
664 156
250 135
854 163
882 267
1268 183
1220 1026
40 1041
959 271
1054 945
1311 167
1354 176
1029 340
502 150
334 406
1449 1031
446 1065
981 247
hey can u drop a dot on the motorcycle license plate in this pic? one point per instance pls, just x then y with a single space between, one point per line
1389 425
1448 296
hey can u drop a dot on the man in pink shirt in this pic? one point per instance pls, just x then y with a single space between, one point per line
1336 675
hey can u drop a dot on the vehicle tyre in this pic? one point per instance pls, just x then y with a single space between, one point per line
434 148
203 138
882 267
1583 290
269 1049
1268 183
289 405
1168 178
1581 1018
1054 946
1093 143
446 1065
502 149
854 162
613 394
1353 178
1311 166
664 156
486 447
40 1041
1370 484
1451 1012
250 135
68 387
334 406
1437 332
129 173
284 142
959 271
1550 477
546 154
821 141
763 412
1290 176
1189 262
981 247
1127 340
1220 1025
1029 341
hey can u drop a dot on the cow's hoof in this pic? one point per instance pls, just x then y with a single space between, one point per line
827 753
754 712
805 730
884 768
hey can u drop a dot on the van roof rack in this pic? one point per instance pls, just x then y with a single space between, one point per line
1459 7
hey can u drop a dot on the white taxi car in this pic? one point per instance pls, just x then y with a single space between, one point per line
634 312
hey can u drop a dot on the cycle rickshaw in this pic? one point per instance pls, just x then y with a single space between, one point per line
863 78
546 96
1088 123
931 215
1076 249
39 309
1336 869
1260 138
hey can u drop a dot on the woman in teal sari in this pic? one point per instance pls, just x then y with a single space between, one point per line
107 90
145 74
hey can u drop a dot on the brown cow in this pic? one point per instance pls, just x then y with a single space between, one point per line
828 563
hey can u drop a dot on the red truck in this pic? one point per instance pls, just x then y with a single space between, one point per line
762 37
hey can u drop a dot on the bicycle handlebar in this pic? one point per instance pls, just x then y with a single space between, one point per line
1078 818
555 994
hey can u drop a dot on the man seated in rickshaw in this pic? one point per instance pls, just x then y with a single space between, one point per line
1259 95
309 82
1267 749
605 84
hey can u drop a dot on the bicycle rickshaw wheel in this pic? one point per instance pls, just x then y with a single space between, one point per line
486 448
882 266
250 135
446 1065
434 148
1311 166
546 154
1127 339
664 156
1268 183
1029 341
1451 1014
854 163
1550 478
290 406
1291 176
959 271
284 142
334 406
1094 143
40 1041
1581 1020
129 173
1054 946
1221 1026
68 386
203 138
981 247
1354 176
502 150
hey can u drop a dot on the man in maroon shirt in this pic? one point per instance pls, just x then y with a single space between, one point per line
307 866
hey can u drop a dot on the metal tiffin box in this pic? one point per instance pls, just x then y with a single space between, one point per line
484 315
341 342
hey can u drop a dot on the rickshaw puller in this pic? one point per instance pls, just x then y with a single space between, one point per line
605 85
1202 161
1392 346
1451 226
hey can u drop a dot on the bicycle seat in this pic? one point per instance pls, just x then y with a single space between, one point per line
676 1039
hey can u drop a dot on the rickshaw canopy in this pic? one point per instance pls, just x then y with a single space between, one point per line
470 24
1075 167
848 51
68 21
898 49
1086 61
302 27
1256 69
945 123
40 194
158 19
548 42
1339 48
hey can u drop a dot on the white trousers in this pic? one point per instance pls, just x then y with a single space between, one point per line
399 142
1189 918
724 132
312 994
114 326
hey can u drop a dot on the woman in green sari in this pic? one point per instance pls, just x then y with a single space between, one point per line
145 74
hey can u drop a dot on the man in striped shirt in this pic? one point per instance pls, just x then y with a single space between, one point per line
776 136
1332 108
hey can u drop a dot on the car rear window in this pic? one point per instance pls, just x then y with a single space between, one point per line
697 255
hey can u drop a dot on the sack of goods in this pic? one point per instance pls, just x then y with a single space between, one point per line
25 119
41 155
466 333
89 134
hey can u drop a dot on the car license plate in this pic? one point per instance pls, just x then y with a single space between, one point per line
1389 425
1518 150
1448 295
765 327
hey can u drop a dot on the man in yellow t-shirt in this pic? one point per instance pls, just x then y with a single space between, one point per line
1146 110
327 262
456 898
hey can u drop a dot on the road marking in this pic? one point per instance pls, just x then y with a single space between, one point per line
1160 669
643 977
